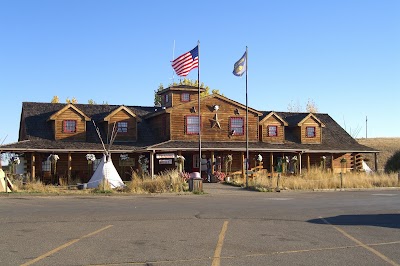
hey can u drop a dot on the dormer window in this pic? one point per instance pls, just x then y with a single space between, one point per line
310 132
166 98
122 127
185 97
69 126
272 131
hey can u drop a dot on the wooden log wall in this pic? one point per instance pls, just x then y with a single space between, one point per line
70 114
123 116
303 133
209 133
160 126
272 121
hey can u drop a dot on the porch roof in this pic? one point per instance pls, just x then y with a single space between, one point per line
259 147
45 145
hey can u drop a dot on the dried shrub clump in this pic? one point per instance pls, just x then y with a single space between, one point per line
317 179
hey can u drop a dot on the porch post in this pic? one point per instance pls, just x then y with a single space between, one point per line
271 163
376 161
332 168
69 168
152 164
33 167
242 157
308 163
300 153
212 162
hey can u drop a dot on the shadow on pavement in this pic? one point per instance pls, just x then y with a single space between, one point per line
381 220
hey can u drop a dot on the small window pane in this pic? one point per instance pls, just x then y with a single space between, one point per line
46 166
185 97
69 126
272 131
310 131
122 127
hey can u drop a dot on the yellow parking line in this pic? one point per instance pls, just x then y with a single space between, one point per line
217 254
377 253
64 246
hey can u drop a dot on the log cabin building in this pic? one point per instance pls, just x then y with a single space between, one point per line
149 139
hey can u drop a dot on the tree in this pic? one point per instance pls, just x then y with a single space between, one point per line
311 107
55 99
91 101
294 107
73 100
157 98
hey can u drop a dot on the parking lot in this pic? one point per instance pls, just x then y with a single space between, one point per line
224 226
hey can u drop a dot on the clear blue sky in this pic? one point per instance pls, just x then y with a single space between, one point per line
342 54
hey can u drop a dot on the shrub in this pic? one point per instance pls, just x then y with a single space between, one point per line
393 164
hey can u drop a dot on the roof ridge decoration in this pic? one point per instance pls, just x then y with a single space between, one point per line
122 107
273 113
68 106
311 115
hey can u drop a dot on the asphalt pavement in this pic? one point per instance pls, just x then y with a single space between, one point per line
224 226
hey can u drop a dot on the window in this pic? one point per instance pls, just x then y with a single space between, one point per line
310 132
237 125
122 127
192 125
185 97
272 131
69 126
46 166
166 98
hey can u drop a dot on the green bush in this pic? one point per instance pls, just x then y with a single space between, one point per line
393 164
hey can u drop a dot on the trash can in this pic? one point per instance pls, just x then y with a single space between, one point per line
195 182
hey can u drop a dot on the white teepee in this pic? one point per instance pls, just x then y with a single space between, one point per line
366 168
106 170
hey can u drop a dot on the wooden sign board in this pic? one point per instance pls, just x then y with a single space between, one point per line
127 162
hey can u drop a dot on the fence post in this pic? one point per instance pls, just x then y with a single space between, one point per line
341 180
277 189
398 179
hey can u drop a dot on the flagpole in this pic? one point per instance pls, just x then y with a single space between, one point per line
247 130
198 88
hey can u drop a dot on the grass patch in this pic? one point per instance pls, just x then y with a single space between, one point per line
167 181
317 179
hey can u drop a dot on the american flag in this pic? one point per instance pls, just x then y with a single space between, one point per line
186 62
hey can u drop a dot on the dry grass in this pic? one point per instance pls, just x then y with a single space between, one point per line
168 181
386 146
316 179
35 187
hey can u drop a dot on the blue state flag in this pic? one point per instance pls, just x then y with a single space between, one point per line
240 66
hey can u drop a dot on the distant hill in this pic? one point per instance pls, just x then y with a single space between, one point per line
386 146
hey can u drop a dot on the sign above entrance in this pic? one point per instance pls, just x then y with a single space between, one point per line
165 161
165 155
